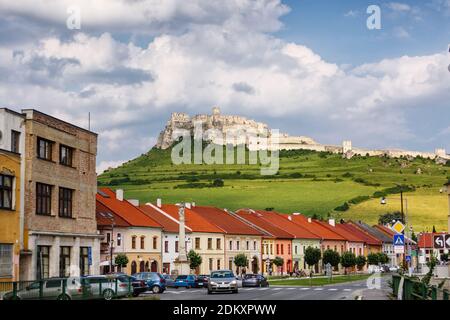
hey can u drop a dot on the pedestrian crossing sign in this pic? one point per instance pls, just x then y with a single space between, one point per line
399 240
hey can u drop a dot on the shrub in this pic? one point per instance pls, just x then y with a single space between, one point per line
343 207
218 183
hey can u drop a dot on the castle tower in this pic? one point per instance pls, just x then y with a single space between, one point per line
346 146
216 111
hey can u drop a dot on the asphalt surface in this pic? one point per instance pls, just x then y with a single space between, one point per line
344 291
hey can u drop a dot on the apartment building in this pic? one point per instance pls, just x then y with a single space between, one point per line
60 229
11 192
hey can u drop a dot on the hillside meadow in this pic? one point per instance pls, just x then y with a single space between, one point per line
313 183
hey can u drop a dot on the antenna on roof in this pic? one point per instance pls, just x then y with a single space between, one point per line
89 121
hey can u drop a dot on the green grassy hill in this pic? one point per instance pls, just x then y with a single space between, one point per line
313 183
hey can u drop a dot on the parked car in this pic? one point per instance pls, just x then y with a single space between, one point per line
394 268
52 289
169 280
222 280
374 269
254 280
203 278
187 281
126 285
155 281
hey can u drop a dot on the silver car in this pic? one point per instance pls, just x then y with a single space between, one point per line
109 287
52 289
222 281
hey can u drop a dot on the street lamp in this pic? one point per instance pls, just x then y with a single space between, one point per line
109 216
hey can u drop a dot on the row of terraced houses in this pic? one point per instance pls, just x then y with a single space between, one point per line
54 222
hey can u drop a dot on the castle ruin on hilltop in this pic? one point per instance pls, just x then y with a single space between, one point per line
217 125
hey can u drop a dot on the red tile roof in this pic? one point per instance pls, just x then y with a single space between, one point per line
193 220
342 231
103 221
368 239
282 221
225 221
168 224
257 219
125 210
316 228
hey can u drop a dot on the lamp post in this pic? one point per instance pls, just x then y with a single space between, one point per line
109 216
404 215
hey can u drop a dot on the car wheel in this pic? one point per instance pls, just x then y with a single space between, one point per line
209 291
63 297
156 289
188 287
108 294
235 291
176 287
135 294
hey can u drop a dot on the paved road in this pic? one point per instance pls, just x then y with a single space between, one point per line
343 291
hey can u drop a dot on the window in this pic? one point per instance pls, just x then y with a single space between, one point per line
65 202
65 155
155 243
248 245
43 198
282 249
108 237
44 149
84 261
231 245
176 246
218 244
237 245
295 249
166 246
218 264
142 242
210 263
133 242
342 248
119 239
254 245
289 249
64 262
6 191
278 249
15 141
230 264
43 262
6 260
210 244
271 249
197 243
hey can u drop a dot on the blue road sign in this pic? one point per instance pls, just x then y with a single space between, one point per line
399 240
90 256
408 258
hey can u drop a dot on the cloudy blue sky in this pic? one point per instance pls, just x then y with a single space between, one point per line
306 67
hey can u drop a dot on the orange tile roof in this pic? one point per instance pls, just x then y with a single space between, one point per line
168 224
368 239
226 221
282 221
103 221
343 232
125 210
426 239
257 219
193 220
316 228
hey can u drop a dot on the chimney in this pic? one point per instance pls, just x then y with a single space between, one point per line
158 202
290 218
188 205
193 204
119 194
134 202
309 220
332 222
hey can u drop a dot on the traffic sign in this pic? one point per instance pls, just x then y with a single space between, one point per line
408 258
89 256
439 241
399 240
398 227
399 249
447 241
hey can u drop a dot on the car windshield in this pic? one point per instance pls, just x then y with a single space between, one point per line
251 276
222 275
182 277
